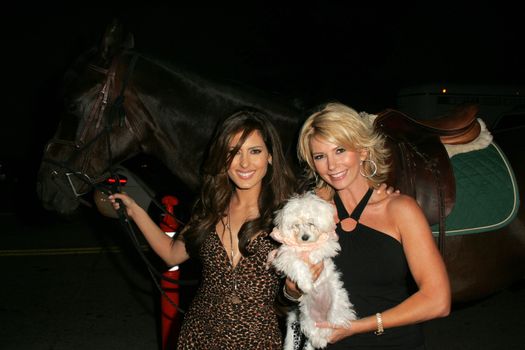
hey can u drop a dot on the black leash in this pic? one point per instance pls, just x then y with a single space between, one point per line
154 273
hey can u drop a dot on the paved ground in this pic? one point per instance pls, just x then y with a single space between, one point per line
60 290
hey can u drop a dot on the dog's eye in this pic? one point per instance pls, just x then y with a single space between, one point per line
313 227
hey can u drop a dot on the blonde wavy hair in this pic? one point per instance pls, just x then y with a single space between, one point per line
342 125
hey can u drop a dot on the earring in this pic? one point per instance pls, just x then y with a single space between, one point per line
373 165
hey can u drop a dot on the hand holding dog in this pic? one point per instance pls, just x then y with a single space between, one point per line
291 286
338 332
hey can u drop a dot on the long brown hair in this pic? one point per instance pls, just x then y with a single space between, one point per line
211 206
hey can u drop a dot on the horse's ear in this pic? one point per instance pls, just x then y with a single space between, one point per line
114 40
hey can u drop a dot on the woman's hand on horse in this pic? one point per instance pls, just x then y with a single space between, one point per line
125 200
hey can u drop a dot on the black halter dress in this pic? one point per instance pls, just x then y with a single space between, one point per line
376 275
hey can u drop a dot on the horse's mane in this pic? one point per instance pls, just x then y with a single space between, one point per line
220 84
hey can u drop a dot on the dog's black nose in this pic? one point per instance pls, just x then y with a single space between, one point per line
305 237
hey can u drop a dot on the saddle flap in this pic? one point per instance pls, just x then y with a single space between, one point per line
420 166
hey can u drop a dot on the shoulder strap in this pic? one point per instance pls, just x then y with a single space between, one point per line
342 213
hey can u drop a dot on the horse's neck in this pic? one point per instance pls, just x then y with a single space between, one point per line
182 109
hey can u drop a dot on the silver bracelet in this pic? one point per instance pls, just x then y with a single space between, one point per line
289 297
379 320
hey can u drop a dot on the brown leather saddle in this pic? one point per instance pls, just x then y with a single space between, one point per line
420 165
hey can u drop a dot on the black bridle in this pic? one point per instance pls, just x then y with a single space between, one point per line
97 115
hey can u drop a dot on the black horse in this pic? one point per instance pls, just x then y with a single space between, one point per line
120 103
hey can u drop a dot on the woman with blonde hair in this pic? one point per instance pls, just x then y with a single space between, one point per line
389 260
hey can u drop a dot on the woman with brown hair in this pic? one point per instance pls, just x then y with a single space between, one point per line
246 179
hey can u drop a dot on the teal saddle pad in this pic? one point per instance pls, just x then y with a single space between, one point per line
487 196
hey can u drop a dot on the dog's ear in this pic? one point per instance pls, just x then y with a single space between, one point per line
276 235
278 220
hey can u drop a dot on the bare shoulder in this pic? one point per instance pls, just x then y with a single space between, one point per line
401 204
394 204
407 217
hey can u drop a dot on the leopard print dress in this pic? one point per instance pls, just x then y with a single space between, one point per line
213 321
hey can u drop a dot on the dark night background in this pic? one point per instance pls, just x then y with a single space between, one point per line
358 54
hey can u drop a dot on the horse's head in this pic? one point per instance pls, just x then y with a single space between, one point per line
94 133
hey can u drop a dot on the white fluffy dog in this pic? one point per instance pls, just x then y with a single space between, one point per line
305 227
